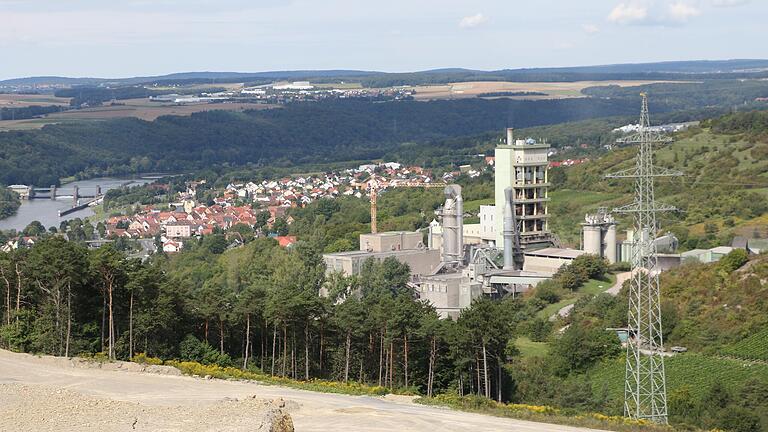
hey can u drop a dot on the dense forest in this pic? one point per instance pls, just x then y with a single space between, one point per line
28 112
294 135
9 202
684 96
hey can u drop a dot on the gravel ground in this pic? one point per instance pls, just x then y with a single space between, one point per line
45 408
56 394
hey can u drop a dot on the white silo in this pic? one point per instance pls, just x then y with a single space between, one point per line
592 239
599 235
610 243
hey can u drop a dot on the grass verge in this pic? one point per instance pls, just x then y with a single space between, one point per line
231 373
539 413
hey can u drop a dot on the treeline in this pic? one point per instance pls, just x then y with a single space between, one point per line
754 124
682 96
28 112
9 202
294 135
258 307
511 93
95 96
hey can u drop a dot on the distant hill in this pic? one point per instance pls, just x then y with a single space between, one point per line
658 70
297 134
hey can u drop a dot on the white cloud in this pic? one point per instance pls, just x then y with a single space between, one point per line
628 13
729 3
473 21
681 12
590 29
660 12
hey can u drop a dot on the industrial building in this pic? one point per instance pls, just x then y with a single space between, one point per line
599 235
522 165
507 253
406 247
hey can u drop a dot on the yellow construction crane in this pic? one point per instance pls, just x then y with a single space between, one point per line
373 187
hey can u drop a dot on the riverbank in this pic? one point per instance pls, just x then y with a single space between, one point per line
46 211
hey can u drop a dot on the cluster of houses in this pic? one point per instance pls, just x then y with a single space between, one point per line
173 226
287 192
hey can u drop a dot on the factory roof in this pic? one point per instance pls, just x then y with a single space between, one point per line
359 253
556 253
722 250
391 233
694 252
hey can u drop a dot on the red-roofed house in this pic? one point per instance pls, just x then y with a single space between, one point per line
286 241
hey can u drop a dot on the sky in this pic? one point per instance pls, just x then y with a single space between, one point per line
124 38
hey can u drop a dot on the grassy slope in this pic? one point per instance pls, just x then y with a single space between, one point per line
709 161
721 318
529 348
753 347
592 287
695 372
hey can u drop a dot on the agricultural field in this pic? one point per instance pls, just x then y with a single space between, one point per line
551 90
694 373
754 347
138 108
14 100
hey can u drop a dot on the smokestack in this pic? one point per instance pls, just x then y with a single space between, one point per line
509 231
510 136
513 254
459 223
453 224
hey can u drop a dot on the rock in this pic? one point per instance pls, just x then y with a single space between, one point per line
276 420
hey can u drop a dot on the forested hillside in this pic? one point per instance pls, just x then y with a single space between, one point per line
295 135
721 194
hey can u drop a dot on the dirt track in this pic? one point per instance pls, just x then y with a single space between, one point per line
74 397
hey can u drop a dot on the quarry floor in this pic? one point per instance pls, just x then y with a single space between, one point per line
45 393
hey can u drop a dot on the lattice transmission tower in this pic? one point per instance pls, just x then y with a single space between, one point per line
645 389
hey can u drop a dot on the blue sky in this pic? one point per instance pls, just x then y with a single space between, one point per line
107 38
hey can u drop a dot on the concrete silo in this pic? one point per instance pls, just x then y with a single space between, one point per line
599 235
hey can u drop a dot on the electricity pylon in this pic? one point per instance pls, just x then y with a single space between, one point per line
645 388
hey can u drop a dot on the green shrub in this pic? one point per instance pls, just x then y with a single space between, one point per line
549 291
145 359
734 260
193 349
99 357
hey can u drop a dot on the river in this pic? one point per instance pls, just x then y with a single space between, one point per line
46 211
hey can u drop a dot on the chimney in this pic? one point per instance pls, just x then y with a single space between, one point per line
513 255
510 136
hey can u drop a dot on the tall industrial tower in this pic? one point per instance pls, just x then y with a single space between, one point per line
645 388
522 165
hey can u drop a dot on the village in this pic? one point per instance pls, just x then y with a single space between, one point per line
261 207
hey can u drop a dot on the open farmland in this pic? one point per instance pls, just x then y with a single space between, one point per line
552 90
15 100
139 108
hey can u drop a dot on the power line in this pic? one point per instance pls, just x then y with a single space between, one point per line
645 382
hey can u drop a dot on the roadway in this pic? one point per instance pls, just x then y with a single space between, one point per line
310 411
